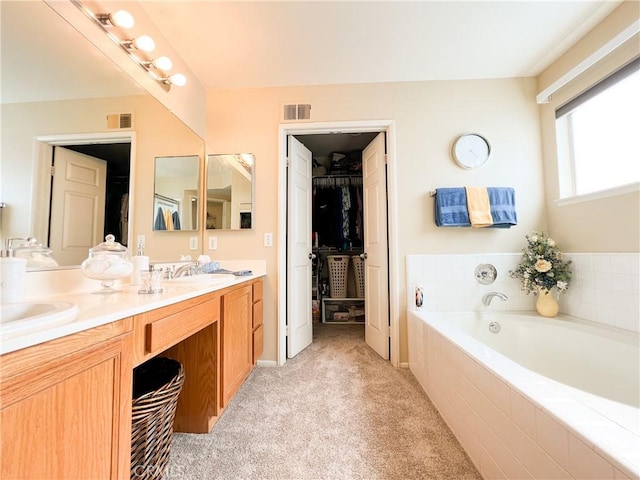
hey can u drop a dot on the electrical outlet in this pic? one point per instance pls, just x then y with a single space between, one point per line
268 239
213 243
141 242
193 243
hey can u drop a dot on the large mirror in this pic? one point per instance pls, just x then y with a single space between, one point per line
229 202
176 196
58 90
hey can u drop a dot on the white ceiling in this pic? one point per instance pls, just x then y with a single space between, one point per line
238 44
235 44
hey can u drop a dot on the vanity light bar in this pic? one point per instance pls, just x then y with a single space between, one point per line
158 68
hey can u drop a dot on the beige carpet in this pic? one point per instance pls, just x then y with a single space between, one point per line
336 411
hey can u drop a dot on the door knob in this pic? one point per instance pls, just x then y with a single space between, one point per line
363 255
312 256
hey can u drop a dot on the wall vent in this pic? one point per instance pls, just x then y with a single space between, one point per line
296 111
120 120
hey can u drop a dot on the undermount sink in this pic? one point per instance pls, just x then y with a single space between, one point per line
27 317
210 278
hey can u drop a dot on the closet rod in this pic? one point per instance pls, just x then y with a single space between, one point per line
341 175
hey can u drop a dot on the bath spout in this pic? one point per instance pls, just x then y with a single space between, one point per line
486 299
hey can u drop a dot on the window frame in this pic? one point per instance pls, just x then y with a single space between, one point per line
566 161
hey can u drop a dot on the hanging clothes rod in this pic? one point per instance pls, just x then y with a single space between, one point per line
337 181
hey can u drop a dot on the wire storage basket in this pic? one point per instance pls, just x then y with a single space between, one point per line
156 387
358 269
338 272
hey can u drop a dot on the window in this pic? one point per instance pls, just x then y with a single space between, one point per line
598 135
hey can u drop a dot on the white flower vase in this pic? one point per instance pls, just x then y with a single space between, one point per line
546 303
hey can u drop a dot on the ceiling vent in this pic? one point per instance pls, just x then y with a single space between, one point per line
120 120
296 111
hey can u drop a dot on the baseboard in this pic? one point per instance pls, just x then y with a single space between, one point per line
404 364
267 363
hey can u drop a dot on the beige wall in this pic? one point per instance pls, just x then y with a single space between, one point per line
600 225
158 133
429 116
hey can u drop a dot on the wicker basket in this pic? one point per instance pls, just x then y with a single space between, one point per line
156 386
358 268
338 272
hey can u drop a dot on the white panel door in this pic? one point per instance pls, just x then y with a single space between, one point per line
299 264
376 277
77 205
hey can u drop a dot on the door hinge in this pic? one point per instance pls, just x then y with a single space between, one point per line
53 170
386 157
388 331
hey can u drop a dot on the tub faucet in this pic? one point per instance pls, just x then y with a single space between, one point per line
486 299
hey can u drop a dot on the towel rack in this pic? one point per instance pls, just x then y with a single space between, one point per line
432 193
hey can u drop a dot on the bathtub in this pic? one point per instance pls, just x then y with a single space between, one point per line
530 397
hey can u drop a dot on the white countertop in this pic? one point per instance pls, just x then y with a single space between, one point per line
99 309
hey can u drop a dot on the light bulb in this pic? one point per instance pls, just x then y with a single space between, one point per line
163 63
122 19
144 43
178 79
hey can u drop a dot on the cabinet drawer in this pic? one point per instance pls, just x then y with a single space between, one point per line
167 331
258 343
257 290
257 314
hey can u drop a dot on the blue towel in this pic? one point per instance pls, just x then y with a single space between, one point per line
503 206
176 220
451 208
159 223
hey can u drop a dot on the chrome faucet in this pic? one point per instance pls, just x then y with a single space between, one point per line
486 299
186 270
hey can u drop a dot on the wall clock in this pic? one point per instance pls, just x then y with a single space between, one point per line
471 150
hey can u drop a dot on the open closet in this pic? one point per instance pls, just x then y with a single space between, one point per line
338 294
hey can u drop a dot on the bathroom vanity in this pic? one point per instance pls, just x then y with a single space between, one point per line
66 402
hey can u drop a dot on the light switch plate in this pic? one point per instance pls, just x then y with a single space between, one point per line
193 243
213 243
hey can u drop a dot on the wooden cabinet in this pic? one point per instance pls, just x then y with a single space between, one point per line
241 333
236 329
187 331
258 327
66 406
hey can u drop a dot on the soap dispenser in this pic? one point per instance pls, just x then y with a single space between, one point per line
140 264
12 275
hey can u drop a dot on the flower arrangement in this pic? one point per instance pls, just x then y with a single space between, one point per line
542 266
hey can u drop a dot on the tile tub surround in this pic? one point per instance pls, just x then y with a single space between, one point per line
509 419
605 287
